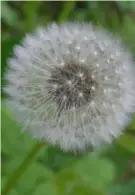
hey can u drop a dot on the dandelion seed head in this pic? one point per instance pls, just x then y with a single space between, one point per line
72 84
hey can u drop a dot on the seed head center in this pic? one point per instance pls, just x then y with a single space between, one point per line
76 86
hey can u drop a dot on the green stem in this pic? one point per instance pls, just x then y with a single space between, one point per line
22 167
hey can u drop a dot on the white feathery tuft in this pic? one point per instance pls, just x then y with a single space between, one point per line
72 85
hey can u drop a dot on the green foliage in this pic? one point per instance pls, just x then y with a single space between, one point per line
97 172
124 189
59 161
126 5
52 171
132 125
12 137
128 142
8 14
88 174
120 157
67 8
46 188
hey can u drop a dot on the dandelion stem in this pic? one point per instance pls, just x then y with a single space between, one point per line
22 167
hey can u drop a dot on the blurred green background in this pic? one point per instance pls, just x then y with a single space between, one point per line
109 170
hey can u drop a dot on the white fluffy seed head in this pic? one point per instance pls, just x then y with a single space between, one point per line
72 85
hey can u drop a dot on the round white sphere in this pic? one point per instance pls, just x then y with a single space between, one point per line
71 84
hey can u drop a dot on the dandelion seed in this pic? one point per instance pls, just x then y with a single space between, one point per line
95 53
92 103
82 61
64 97
69 82
47 91
80 94
106 78
55 86
77 48
85 38
93 88
92 76
101 48
112 57
62 64
80 75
